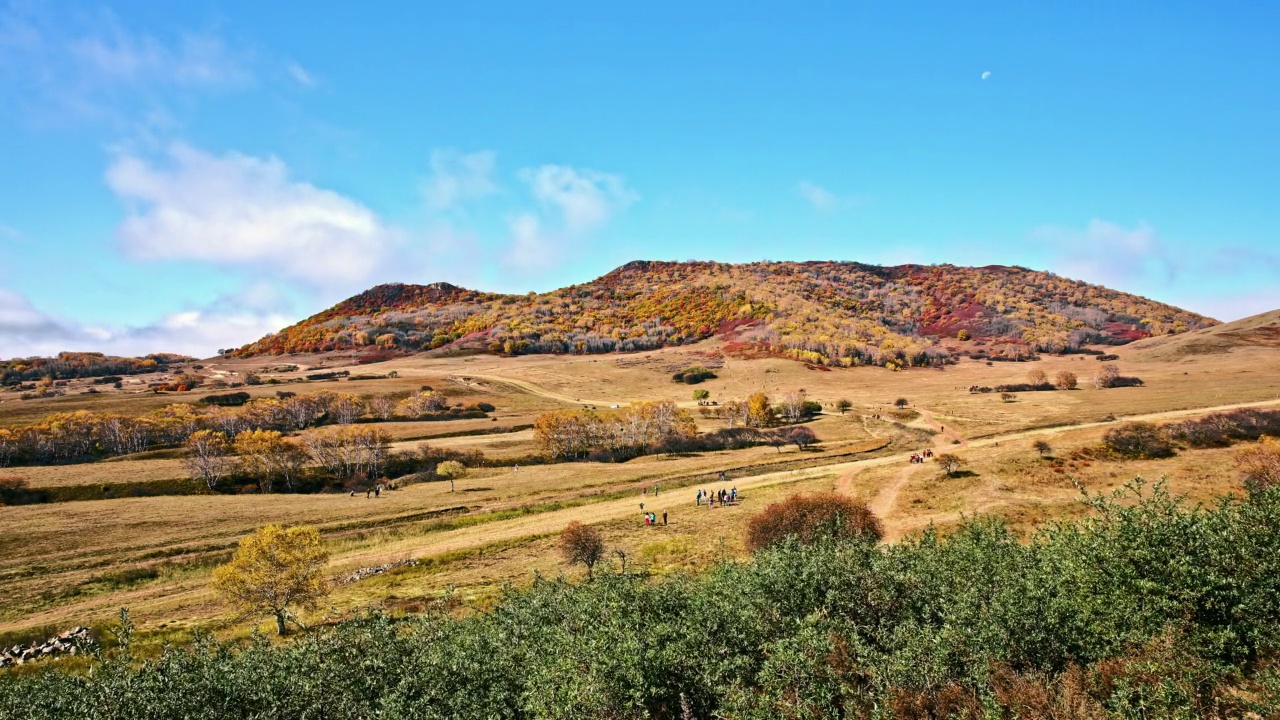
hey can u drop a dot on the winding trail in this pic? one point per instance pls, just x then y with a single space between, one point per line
886 498
538 390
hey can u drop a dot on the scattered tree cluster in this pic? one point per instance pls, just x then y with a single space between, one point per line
639 429
84 435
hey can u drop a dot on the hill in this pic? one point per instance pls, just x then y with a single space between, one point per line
1258 331
67 365
832 313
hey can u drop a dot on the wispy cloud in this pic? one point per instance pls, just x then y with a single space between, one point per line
986 74
585 199
819 197
824 200
61 67
300 75
575 203
193 59
242 211
457 177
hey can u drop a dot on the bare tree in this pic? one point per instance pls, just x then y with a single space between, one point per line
209 456
1106 377
793 406
1066 380
382 407
1042 447
1038 377
801 437
346 408
950 463
843 406
582 544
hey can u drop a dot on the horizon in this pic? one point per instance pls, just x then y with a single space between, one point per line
186 179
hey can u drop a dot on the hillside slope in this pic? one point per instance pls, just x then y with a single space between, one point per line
837 313
1257 331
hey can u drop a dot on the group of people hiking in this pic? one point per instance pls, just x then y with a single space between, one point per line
375 491
724 497
651 519
921 456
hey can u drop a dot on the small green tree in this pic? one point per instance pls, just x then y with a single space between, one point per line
843 406
451 470
901 403
701 394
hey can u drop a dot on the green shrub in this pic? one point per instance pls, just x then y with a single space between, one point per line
1149 608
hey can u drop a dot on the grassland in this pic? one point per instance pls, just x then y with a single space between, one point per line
76 563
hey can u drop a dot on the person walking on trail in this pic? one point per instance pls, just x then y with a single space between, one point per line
698 498
642 507
733 494
721 476
664 517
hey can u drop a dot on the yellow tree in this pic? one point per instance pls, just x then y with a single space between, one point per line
273 570
759 410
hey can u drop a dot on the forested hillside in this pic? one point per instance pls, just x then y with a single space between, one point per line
832 313
67 365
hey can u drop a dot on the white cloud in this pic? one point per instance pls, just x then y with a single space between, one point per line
26 331
300 75
575 202
819 197
530 248
1106 253
239 210
457 177
986 74
586 199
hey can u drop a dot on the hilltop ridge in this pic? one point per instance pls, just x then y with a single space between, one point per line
823 312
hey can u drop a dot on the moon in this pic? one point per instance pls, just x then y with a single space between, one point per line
986 74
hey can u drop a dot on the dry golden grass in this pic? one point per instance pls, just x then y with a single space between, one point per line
68 563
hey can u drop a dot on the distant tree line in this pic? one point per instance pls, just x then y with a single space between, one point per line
84 435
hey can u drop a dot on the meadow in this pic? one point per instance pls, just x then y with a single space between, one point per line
72 563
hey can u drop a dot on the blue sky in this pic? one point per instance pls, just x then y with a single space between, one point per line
189 176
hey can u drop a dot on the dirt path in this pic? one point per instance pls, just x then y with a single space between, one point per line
540 391
885 500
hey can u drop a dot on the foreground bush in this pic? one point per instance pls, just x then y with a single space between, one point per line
1154 610
810 519
1138 440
